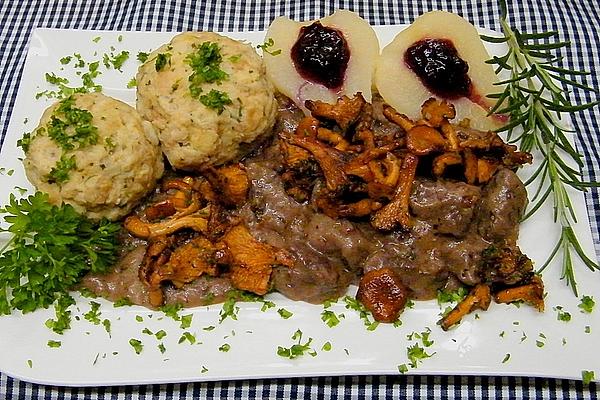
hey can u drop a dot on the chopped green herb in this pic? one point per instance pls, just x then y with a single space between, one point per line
539 343
330 318
49 257
206 66
54 343
209 328
285 314
30 363
96 39
137 345
215 100
139 318
65 60
186 321
326 346
235 58
63 314
502 334
587 376
142 57
225 348
187 336
416 354
506 358
203 370
353 304
55 80
266 305
402 368
93 315
172 310
122 302
162 59
451 296
298 349
116 60
147 332
132 83
587 304
562 315
588 329
160 334
266 47
60 172
120 38
162 348
107 326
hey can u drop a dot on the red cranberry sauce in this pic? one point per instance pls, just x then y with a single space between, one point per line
437 64
321 55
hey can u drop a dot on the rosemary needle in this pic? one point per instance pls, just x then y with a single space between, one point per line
535 96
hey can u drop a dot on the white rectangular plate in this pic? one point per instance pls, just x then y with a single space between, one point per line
536 344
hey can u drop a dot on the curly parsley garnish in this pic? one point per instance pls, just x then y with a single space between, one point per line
587 304
162 59
51 249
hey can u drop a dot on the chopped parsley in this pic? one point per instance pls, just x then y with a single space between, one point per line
63 314
298 349
160 334
107 326
215 100
205 62
54 343
137 345
142 56
172 310
162 348
451 296
330 318
587 304
587 376
187 336
416 354
285 314
506 358
60 172
402 368
51 248
562 315
225 348
55 80
186 321
132 83
266 47
326 346
122 302
93 315
353 304
203 370
266 305
115 60
162 59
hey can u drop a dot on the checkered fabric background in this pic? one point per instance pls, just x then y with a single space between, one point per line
577 20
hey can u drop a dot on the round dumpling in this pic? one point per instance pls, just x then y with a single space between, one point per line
95 153
208 98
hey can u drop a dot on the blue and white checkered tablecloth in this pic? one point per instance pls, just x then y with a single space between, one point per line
577 20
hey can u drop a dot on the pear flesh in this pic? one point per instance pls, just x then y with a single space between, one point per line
401 87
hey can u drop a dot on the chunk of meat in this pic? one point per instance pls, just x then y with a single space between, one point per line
251 261
503 201
448 206
478 298
382 292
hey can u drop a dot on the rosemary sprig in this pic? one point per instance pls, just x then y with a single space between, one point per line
535 96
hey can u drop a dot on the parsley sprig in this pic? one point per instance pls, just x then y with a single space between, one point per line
535 96
50 250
